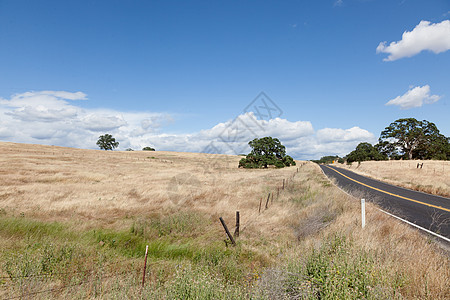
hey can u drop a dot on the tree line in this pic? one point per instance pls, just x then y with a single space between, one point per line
402 139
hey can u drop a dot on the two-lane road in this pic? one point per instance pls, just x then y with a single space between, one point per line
428 211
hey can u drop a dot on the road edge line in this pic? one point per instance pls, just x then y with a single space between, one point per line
389 214
388 193
393 185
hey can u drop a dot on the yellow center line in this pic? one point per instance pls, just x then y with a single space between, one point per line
395 195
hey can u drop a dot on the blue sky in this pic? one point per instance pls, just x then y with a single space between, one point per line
176 74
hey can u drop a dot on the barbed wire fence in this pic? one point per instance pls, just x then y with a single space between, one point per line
232 140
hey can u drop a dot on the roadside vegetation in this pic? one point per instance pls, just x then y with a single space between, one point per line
403 139
428 176
410 153
75 223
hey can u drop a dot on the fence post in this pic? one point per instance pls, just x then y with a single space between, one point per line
283 183
363 213
260 202
145 265
236 231
267 202
227 231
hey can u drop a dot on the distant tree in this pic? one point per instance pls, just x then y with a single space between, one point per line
266 151
129 149
148 149
411 139
107 142
329 159
363 152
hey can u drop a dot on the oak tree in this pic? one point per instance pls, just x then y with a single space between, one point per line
266 151
107 142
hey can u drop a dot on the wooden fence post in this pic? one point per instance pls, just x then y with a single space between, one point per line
267 201
283 183
260 202
227 231
236 231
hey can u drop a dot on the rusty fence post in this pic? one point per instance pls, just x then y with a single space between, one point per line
145 266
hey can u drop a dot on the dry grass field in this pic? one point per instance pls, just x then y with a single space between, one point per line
74 224
433 177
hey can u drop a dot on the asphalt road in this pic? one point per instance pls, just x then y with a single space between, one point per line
428 211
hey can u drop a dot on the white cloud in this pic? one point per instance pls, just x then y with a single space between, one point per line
45 106
331 135
414 97
50 118
338 3
425 36
299 137
101 122
42 113
45 98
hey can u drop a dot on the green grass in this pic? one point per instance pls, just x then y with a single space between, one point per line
335 270
44 254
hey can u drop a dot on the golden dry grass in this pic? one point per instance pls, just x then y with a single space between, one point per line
433 177
97 189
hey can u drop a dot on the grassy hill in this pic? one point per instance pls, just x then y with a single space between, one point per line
75 223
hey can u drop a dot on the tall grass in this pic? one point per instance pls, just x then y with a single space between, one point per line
81 229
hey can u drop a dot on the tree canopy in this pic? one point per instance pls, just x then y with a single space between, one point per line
363 152
266 151
414 139
107 142
329 159
148 149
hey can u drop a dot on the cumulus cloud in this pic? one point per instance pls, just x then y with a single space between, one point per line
299 137
53 118
414 97
101 122
331 135
425 36
45 106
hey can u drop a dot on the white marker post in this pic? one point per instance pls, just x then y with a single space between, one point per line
363 213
